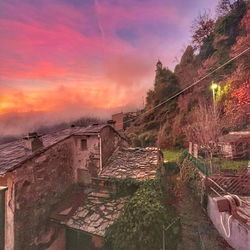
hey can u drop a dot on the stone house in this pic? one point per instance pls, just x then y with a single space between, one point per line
56 185
235 145
39 170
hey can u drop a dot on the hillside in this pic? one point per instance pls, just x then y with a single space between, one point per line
168 123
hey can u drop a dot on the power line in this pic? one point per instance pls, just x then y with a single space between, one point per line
190 86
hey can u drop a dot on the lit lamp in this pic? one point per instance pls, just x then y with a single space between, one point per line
214 86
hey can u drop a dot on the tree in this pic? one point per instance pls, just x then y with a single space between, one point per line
186 70
223 7
237 105
229 24
204 128
201 29
139 226
166 84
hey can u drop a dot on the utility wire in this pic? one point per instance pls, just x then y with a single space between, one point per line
190 86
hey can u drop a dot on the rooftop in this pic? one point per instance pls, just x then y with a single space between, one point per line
235 136
92 214
96 214
139 163
13 153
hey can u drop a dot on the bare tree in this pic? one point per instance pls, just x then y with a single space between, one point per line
201 28
205 128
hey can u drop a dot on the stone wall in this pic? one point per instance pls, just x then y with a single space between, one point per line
39 184
88 160
9 211
110 141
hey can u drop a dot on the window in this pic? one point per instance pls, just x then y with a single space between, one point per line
84 144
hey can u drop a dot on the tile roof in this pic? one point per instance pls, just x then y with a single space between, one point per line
93 215
13 153
139 163
98 210
234 137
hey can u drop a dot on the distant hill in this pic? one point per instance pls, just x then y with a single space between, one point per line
17 125
214 43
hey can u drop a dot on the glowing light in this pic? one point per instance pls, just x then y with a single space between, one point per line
214 86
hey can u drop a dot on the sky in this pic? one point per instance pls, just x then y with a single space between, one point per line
64 59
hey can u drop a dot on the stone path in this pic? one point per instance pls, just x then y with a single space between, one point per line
198 231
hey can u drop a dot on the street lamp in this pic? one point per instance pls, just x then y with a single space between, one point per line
214 86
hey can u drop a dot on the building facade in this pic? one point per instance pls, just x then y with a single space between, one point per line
40 172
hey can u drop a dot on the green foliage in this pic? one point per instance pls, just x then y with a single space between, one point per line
133 138
166 84
136 142
190 175
171 168
228 24
171 155
140 225
170 159
187 68
126 186
229 164
150 97
197 163
207 49
147 139
226 39
189 172
152 125
182 157
76 239
205 200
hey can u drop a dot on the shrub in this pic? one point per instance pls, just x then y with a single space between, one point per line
147 139
136 142
140 225
126 186
152 125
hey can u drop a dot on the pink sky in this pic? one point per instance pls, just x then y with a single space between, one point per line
84 57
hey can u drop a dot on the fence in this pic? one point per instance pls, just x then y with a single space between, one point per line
238 184
200 165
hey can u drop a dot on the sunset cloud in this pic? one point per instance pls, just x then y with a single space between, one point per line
78 57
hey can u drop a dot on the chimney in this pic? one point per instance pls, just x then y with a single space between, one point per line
33 142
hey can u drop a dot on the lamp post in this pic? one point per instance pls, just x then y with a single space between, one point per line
214 86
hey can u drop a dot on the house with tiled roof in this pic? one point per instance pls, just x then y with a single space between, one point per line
235 145
54 187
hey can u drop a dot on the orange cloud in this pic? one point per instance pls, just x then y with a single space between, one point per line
63 98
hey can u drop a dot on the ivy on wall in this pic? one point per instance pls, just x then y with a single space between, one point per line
140 225
190 170
124 186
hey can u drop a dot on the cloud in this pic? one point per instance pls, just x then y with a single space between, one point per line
71 58
31 109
